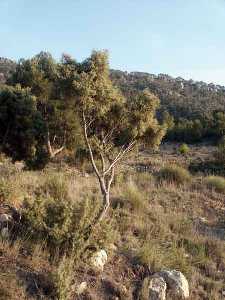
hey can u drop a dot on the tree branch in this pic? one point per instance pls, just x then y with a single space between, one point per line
103 163
119 156
89 147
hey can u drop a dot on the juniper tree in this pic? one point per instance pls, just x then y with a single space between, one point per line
41 75
112 125
22 128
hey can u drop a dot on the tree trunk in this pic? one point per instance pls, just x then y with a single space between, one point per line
105 206
52 153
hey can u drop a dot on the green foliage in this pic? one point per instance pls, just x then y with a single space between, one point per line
151 254
216 183
134 196
183 149
7 66
155 255
220 153
191 110
189 131
218 127
168 120
173 173
42 75
22 127
64 222
107 112
63 278
5 190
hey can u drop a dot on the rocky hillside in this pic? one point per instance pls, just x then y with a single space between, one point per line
163 239
182 98
6 67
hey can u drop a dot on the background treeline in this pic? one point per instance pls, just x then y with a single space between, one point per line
193 110
38 119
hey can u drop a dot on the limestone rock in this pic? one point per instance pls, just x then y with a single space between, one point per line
5 218
176 282
5 233
157 288
153 288
81 288
99 259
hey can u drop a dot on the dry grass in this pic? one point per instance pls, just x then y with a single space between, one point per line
153 226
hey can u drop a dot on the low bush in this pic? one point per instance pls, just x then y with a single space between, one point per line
216 183
151 255
220 153
5 190
63 222
183 149
175 174
63 278
55 186
133 196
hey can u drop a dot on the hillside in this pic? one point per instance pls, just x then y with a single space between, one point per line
95 203
7 66
182 98
152 225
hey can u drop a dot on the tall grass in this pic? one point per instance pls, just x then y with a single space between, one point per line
216 183
174 174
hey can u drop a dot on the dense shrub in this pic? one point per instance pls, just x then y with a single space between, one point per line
5 190
220 153
64 222
183 149
173 173
207 167
22 127
216 183
61 222
133 196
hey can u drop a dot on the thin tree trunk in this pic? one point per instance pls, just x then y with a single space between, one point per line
52 153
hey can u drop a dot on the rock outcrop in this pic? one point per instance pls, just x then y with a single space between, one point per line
176 282
99 259
153 288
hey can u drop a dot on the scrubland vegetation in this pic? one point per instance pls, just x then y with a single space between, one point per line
82 170
152 225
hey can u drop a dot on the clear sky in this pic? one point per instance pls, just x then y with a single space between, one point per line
179 37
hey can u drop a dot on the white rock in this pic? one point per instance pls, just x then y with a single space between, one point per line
177 282
4 218
99 259
157 288
153 288
5 233
81 288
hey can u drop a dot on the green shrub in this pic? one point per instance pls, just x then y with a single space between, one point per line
183 149
220 153
61 222
55 186
216 183
52 215
5 190
151 255
63 278
134 196
157 256
173 173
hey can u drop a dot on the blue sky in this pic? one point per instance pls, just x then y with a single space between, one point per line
179 37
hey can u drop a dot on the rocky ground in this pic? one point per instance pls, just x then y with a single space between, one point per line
162 240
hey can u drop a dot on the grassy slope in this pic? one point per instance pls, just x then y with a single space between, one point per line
157 225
